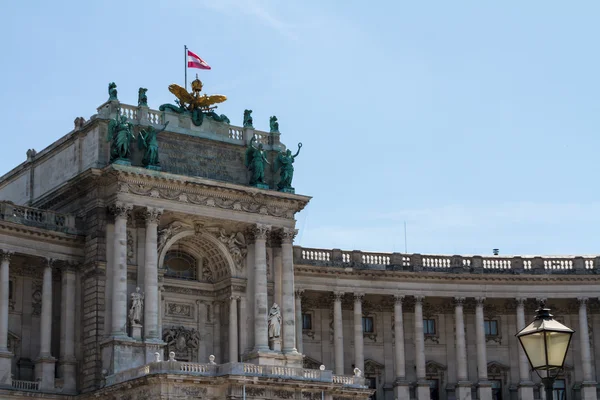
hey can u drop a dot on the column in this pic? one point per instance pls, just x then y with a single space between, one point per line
67 366
338 333
298 310
119 297
217 331
484 388
287 292
463 386
525 383
5 355
401 388
588 386
151 332
422 386
359 357
161 304
243 337
233 329
44 367
261 339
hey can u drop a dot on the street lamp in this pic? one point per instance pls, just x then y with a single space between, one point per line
545 342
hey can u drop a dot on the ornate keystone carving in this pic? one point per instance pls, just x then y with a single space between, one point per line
120 209
152 215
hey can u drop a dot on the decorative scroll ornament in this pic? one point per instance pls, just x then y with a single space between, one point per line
171 230
236 244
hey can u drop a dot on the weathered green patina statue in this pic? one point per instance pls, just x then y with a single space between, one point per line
120 133
248 119
255 162
147 141
112 91
274 124
142 98
285 164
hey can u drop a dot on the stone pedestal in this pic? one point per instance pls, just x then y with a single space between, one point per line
136 331
484 390
588 391
423 390
525 391
119 354
401 390
463 391
5 368
275 344
275 358
44 372
67 369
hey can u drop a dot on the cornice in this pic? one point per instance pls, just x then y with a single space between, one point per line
12 228
441 277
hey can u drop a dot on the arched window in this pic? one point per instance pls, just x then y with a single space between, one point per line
180 265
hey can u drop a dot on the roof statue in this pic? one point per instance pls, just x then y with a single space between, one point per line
285 164
147 141
255 162
199 105
112 91
142 98
120 134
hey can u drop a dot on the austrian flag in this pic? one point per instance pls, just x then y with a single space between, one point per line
196 62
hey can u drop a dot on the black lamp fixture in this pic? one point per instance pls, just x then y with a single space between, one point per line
545 342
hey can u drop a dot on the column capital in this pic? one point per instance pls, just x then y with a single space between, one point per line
337 296
459 301
260 231
398 299
479 301
152 215
520 301
298 293
358 297
540 299
419 299
288 235
234 297
120 209
6 255
582 301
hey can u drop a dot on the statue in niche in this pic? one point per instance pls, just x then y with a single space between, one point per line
255 162
137 304
273 124
148 142
236 244
142 98
285 164
120 133
274 322
248 119
112 91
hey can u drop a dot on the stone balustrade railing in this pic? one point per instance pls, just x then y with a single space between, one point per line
236 134
444 263
26 385
238 369
39 218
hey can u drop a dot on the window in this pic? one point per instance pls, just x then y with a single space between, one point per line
180 265
10 290
306 322
491 327
496 389
434 390
368 326
429 326
559 391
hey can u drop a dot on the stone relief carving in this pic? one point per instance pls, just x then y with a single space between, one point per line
181 340
236 244
311 395
36 297
255 391
207 273
180 310
283 394
171 230
131 258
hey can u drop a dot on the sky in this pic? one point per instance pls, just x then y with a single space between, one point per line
474 123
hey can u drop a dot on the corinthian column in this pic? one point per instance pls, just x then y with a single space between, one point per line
422 386
151 275
261 340
359 358
299 320
588 389
463 386
5 355
119 298
484 389
287 292
338 333
233 329
68 364
401 389
45 364
525 383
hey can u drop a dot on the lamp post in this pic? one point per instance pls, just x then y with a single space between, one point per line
545 342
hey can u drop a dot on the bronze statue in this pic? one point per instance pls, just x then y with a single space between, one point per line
285 164
147 140
273 124
112 91
255 162
142 98
120 133
248 119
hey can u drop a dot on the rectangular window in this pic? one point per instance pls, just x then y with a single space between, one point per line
559 390
491 327
368 325
429 326
307 322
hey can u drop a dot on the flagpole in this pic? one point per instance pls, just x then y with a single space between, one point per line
185 64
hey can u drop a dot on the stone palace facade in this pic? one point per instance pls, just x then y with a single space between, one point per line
126 282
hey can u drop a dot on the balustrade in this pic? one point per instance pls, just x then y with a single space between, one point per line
236 133
35 217
26 385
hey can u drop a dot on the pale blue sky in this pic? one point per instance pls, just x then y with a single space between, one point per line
475 122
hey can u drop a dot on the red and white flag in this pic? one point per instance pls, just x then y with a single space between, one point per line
196 62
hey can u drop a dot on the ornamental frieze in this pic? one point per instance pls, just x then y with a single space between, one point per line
180 310
188 291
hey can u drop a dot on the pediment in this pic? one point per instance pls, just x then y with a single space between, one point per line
433 367
311 363
373 367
